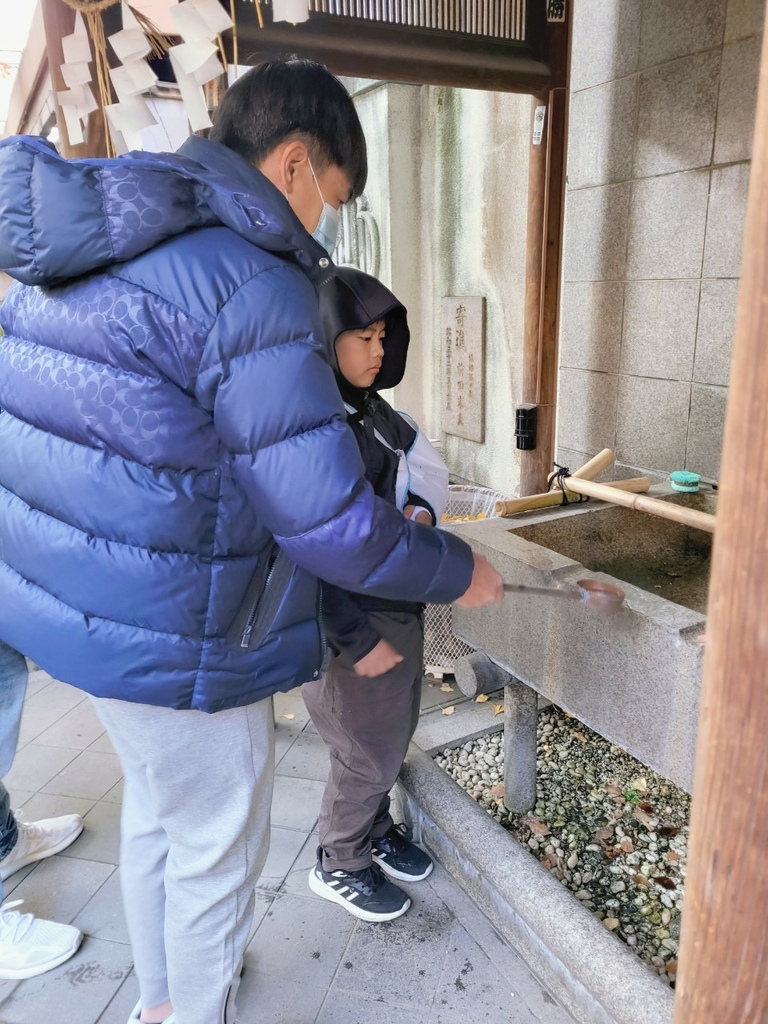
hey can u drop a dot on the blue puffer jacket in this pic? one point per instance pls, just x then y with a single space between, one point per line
166 413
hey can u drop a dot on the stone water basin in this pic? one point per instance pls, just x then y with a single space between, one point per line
634 677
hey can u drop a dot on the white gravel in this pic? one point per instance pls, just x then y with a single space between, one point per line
611 830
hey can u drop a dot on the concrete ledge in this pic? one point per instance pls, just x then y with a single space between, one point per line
596 977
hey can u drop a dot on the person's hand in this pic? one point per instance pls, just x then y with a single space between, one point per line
421 517
381 659
485 587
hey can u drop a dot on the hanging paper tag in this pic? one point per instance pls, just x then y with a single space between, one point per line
538 125
294 11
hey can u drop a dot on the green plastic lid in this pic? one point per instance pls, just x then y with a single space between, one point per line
684 481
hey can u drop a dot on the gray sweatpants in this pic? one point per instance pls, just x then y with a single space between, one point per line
194 838
367 725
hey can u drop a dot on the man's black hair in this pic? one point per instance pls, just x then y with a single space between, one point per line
293 98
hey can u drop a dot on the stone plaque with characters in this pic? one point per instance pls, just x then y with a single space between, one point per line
463 356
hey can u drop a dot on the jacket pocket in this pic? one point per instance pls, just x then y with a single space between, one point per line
262 599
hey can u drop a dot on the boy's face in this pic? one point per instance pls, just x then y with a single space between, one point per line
359 354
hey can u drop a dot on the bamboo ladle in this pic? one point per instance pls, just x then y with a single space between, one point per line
596 594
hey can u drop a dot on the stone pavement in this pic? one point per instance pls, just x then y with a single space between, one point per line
308 961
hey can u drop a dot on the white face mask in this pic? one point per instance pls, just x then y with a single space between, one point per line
327 230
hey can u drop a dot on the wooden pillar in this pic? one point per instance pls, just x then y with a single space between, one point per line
722 974
546 193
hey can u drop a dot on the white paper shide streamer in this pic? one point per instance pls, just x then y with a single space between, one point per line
77 100
294 11
132 77
195 61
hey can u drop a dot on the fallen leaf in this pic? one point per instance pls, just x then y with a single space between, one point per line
645 806
536 825
626 845
446 688
497 791
640 785
673 855
613 789
671 966
640 880
664 882
602 835
579 736
481 698
289 716
549 860
497 708
645 819
668 830
449 711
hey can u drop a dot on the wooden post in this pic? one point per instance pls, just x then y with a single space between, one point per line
722 974
546 194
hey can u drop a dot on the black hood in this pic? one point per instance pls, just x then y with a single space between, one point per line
350 300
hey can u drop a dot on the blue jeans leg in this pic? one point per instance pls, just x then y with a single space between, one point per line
13 686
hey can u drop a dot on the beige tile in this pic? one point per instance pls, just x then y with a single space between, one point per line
725 221
587 410
590 325
652 423
676 115
596 233
660 328
601 133
667 222
714 337
606 39
673 28
744 18
705 430
737 102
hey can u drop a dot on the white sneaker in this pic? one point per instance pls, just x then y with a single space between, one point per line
29 946
40 839
135 1017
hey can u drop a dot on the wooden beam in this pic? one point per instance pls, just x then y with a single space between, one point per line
724 951
398 53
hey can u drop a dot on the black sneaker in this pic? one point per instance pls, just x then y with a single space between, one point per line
367 894
399 857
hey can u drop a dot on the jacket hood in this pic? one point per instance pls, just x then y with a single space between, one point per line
350 300
63 218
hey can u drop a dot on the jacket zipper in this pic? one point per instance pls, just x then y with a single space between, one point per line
321 626
245 637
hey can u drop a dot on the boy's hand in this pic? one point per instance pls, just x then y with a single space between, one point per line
485 587
381 659
421 517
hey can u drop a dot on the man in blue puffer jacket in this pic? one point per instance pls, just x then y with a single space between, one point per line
175 473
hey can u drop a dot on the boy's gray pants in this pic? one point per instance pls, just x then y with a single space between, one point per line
367 725
194 838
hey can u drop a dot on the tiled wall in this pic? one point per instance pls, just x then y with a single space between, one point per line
661 123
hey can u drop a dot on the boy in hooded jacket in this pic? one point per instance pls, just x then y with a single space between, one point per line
366 705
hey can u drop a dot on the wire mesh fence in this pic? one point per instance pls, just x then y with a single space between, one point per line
441 646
